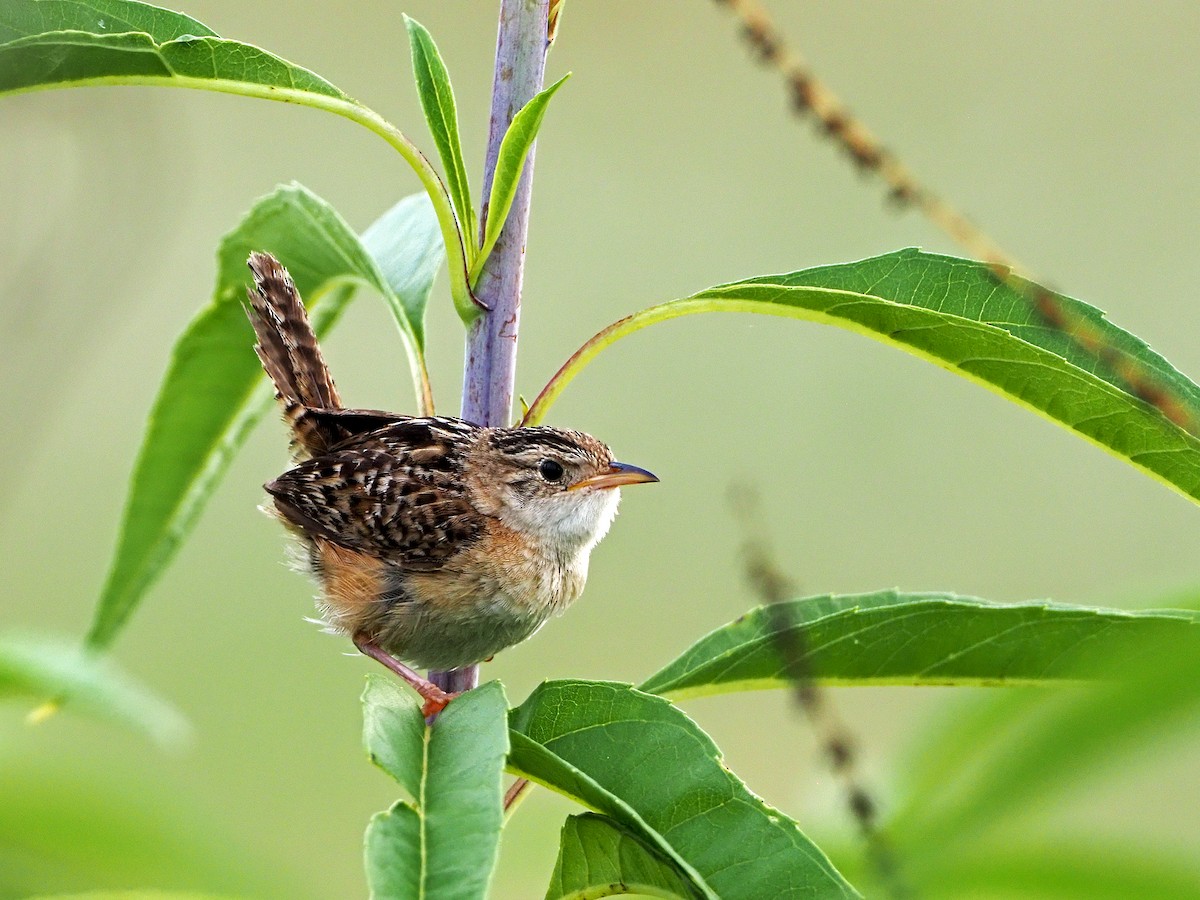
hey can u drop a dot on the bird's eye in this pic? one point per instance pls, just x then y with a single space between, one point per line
550 470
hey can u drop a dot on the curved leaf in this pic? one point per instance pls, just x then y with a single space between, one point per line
30 17
888 637
599 858
437 100
68 43
407 252
444 842
57 672
639 760
510 163
215 390
955 313
90 51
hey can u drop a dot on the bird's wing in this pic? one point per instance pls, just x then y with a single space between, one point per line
396 493
336 427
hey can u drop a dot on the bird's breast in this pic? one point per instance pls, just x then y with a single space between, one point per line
490 596
510 567
478 604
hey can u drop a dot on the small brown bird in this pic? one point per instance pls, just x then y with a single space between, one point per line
435 541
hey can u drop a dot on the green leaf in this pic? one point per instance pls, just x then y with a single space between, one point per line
1012 756
215 390
52 43
444 842
407 250
639 760
437 100
889 637
31 17
58 673
954 313
510 162
597 857
68 43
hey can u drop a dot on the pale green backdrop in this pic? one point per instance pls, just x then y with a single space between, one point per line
667 164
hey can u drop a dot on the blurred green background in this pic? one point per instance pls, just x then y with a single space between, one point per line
667 164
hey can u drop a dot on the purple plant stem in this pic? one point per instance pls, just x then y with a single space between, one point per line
491 360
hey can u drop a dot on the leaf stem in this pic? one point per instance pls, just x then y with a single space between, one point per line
609 335
515 794
491 361
521 47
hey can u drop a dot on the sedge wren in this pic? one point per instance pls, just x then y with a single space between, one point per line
435 541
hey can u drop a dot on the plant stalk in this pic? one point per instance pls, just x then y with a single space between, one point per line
491 356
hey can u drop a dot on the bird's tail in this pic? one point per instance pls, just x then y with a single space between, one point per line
289 352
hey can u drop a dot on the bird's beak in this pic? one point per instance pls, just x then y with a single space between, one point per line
614 476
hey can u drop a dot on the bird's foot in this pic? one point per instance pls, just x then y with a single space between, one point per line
435 699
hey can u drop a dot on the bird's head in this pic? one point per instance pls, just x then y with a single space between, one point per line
559 487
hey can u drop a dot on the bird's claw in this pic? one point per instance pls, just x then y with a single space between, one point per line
435 703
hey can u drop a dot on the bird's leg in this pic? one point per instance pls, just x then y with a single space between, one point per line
435 698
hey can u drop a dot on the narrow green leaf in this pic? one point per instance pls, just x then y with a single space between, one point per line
888 637
1015 755
510 162
68 43
597 857
437 100
639 760
444 841
214 389
954 313
59 673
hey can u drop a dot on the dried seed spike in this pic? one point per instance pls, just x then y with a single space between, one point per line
809 95
773 587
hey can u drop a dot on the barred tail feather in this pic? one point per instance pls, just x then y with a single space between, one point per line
289 352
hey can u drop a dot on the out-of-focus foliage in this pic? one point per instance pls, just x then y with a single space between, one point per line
976 788
78 830
50 674
1012 755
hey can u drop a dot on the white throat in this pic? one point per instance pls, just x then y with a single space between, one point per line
567 525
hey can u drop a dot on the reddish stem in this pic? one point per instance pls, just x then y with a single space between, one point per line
491 359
